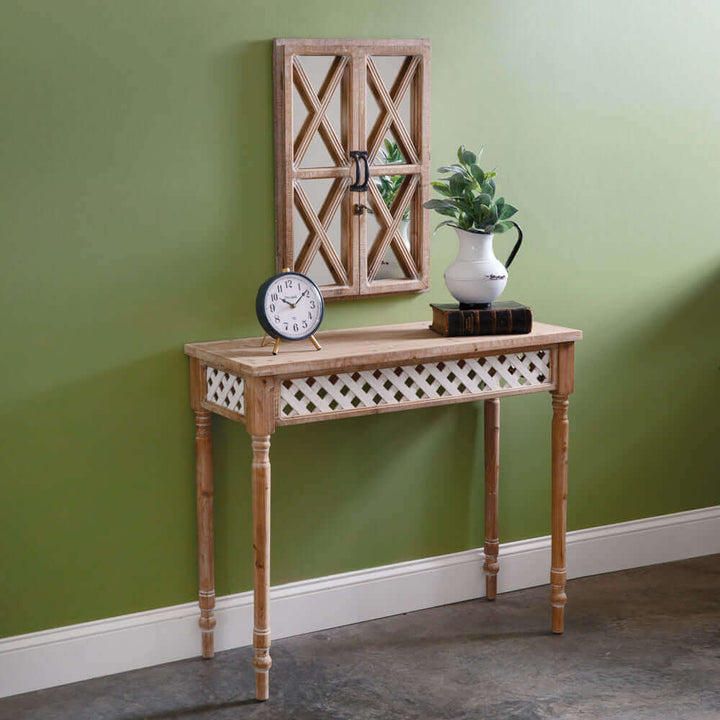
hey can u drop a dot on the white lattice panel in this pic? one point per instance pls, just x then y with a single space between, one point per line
410 383
225 390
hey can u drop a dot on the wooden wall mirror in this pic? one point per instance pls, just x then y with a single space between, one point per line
345 111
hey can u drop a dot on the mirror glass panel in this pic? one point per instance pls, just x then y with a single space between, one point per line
391 254
388 78
319 137
320 250
389 228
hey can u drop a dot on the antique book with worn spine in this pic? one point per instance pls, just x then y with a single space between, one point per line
499 318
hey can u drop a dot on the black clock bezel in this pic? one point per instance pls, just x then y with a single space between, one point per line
260 307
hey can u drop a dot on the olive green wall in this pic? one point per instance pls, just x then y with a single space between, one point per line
136 211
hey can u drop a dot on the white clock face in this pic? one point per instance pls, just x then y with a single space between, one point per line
293 306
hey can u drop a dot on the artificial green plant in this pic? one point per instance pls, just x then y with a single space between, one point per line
468 197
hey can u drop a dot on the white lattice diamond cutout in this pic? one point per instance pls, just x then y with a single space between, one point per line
410 383
225 390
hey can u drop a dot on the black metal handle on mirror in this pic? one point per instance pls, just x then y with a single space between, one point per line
357 156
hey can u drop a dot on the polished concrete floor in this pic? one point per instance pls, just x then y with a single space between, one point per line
641 644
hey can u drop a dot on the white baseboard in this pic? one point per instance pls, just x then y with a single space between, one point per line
78 652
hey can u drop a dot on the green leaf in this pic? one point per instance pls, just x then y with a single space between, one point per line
458 184
501 227
448 211
442 188
468 157
390 152
507 211
449 223
480 202
493 214
463 205
465 222
477 172
489 187
436 203
452 168
460 153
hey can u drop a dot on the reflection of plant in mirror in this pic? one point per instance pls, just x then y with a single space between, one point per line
389 185
468 197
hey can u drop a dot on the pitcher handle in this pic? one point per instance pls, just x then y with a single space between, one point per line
514 252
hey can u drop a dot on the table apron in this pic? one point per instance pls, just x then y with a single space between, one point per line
386 388
410 405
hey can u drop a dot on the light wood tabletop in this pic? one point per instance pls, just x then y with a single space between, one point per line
377 344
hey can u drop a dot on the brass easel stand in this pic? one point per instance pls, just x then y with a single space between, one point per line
276 347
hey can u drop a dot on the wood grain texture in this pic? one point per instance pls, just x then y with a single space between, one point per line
566 368
420 130
355 116
354 75
261 544
224 412
269 381
559 487
197 383
261 410
492 472
560 438
260 405
283 153
206 543
367 347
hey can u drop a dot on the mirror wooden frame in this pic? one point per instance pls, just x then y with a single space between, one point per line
353 74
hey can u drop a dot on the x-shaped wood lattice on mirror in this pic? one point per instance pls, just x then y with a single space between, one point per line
352 163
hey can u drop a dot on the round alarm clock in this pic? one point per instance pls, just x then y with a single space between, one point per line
289 306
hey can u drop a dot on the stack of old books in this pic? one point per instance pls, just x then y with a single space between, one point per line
498 318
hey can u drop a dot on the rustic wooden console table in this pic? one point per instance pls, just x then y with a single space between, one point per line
365 371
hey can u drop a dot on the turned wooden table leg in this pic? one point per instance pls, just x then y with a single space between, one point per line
261 544
492 468
558 570
206 551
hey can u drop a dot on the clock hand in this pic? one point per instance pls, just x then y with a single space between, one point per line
287 302
293 305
